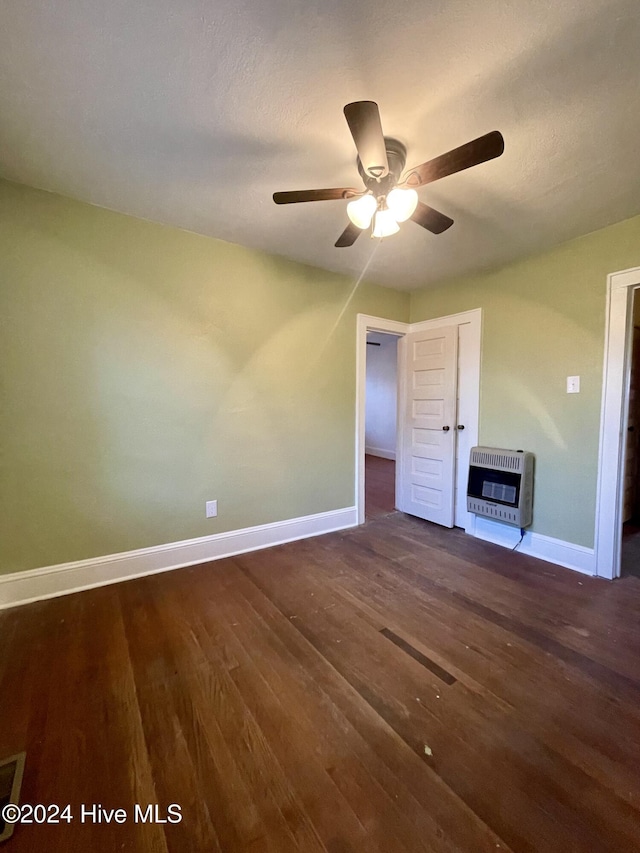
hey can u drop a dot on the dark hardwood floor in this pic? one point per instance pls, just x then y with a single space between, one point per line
379 486
396 687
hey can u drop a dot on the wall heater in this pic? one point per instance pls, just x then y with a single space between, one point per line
501 485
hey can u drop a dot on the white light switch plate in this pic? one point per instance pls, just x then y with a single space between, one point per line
211 509
573 384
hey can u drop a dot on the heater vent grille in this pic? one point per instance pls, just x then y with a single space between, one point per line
506 460
502 513
11 770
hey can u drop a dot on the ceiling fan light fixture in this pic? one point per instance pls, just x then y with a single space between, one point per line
381 163
360 211
402 203
384 225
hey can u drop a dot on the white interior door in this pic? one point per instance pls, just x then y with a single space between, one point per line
428 424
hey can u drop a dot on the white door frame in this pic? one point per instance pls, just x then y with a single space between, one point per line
367 323
613 421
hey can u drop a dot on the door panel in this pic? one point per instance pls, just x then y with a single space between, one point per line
466 417
427 464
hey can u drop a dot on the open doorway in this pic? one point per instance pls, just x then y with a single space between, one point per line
381 424
630 550
465 328
367 324
621 292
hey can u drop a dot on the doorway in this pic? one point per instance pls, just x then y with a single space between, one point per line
367 325
465 328
381 416
630 541
440 405
621 287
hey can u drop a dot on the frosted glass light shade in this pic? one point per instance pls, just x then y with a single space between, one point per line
385 224
402 203
360 211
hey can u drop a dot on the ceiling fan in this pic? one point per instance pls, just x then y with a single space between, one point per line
390 195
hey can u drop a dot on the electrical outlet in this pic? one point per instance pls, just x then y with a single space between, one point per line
573 384
211 509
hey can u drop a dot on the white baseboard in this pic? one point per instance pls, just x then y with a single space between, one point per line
566 554
51 581
379 451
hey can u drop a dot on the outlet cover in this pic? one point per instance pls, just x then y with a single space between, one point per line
211 509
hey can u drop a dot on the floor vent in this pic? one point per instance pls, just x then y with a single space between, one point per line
11 770
431 665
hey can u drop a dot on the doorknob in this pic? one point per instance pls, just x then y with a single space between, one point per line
460 426
445 429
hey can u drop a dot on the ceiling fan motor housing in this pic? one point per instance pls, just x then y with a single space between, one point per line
396 157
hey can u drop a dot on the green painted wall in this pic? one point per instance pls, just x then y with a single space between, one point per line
145 370
543 320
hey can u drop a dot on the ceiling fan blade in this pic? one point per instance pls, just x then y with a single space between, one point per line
363 118
348 236
431 219
334 194
471 154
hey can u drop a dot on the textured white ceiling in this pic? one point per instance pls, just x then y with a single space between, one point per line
193 113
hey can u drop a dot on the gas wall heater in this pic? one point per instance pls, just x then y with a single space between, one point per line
501 484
